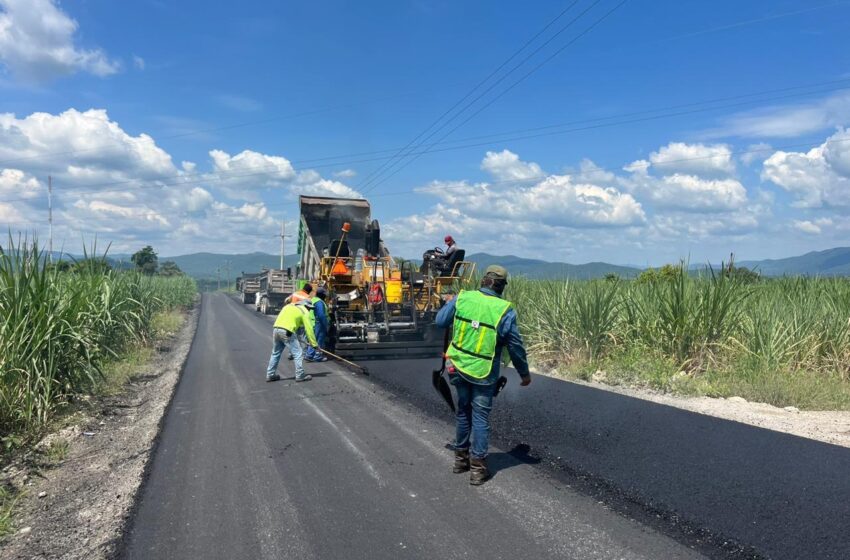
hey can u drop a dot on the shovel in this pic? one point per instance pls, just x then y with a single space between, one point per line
439 381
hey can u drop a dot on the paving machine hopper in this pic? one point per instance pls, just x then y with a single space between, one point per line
379 306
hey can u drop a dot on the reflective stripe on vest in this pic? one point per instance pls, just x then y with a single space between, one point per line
477 317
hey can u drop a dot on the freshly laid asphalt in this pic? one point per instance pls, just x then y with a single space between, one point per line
338 467
347 466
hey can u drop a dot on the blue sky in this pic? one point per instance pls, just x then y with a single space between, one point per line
194 125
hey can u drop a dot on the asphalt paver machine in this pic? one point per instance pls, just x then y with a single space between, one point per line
379 306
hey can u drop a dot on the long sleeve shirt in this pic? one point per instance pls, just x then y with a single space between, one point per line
320 312
508 336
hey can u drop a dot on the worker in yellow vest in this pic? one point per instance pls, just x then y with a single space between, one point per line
482 325
291 320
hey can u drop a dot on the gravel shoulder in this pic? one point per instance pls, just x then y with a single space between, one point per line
78 508
825 426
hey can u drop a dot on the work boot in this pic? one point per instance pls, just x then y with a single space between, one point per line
274 377
478 472
461 461
306 377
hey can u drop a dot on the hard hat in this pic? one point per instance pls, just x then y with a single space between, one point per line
321 292
449 239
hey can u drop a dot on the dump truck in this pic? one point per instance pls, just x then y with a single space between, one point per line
248 285
378 306
274 286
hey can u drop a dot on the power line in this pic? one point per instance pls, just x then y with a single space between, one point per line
486 91
509 88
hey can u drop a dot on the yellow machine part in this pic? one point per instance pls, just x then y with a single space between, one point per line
393 291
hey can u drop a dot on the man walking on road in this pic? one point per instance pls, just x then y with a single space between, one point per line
483 324
291 319
320 326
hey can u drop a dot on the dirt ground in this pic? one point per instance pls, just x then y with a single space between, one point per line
77 509
826 426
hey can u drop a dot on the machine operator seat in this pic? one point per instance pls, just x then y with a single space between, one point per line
456 257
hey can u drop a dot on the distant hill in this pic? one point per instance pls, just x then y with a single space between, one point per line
832 262
533 268
204 265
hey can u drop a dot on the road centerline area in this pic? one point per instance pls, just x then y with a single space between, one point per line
339 468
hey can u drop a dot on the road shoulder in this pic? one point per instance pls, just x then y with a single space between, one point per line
78 508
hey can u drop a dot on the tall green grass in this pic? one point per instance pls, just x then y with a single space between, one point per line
57 329
785 341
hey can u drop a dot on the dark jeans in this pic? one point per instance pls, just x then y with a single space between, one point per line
474 403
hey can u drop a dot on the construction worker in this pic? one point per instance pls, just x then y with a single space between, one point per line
290 320
483 324
320 326
451 247
300 296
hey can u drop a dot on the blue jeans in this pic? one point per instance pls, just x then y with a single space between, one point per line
281 340
474 403
322 339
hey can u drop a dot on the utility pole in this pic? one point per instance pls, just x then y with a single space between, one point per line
50 217
226 274
218 278
282 237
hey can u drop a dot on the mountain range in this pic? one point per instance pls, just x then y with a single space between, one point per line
831 262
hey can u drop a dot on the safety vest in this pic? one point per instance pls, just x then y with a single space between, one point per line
300 295
473 346
292 317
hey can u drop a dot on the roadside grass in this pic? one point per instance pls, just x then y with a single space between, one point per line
61 329
8 499
785 341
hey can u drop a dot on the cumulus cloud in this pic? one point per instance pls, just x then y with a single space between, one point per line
819 177
811 227
108 181
699 159
37 43
138 62
506 166
687 177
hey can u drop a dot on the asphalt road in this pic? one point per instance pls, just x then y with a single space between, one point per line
346 466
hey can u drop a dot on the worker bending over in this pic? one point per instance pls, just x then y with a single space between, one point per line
290 320
483 324
320 326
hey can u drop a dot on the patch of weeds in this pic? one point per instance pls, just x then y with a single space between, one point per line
57 451
165 324
8 498
802 389
118 373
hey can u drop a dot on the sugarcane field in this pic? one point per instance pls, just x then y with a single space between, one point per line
424 280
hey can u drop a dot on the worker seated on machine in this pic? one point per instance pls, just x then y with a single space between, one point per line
439 262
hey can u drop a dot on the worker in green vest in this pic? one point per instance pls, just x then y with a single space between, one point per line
483 324
292 319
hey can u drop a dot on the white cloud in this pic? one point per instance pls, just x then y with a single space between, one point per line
688 177
346 174
87 144
506 166
700 159
138 62
692 193
37 43
14 182
789 121
807 227
819 177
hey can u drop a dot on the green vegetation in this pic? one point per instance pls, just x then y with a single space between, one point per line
782 341
59 328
